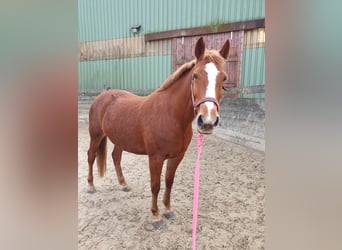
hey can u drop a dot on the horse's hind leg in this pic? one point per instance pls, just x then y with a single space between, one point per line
117 153
94 144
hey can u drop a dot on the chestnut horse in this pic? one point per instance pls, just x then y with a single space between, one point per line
158 125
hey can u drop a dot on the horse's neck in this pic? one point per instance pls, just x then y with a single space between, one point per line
181 104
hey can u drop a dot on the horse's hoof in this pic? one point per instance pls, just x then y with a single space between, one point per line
170 215
91 190
126 189
158 225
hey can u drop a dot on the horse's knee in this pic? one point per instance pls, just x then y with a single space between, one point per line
155 188
169 183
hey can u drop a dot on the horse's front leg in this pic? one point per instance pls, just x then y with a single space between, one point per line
171 168
156 165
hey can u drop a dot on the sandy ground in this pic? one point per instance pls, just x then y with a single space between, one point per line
231 201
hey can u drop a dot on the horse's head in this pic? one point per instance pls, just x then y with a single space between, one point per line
207 83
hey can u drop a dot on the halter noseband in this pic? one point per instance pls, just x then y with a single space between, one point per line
195 103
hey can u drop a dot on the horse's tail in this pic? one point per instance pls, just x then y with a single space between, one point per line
101 157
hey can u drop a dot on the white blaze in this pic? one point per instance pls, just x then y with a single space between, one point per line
212 72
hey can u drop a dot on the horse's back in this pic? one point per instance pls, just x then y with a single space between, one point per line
103 100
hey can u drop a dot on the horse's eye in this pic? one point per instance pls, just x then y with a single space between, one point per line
195 76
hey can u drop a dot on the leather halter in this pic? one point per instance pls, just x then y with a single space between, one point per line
196 103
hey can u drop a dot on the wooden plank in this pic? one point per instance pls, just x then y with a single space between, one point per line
122 48
206 30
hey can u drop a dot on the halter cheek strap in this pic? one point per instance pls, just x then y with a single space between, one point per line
195 103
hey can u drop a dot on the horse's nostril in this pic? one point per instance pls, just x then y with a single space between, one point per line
200 122
217 121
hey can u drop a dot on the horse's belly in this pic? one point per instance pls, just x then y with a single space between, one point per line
132 145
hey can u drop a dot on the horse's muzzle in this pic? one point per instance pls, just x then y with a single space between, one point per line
206 126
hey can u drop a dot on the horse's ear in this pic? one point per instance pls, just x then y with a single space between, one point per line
224 51
199 48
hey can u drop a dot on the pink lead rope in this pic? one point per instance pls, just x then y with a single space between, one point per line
196 190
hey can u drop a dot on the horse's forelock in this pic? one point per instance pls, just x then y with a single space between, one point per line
214 57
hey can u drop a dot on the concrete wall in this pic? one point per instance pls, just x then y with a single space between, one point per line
243 122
